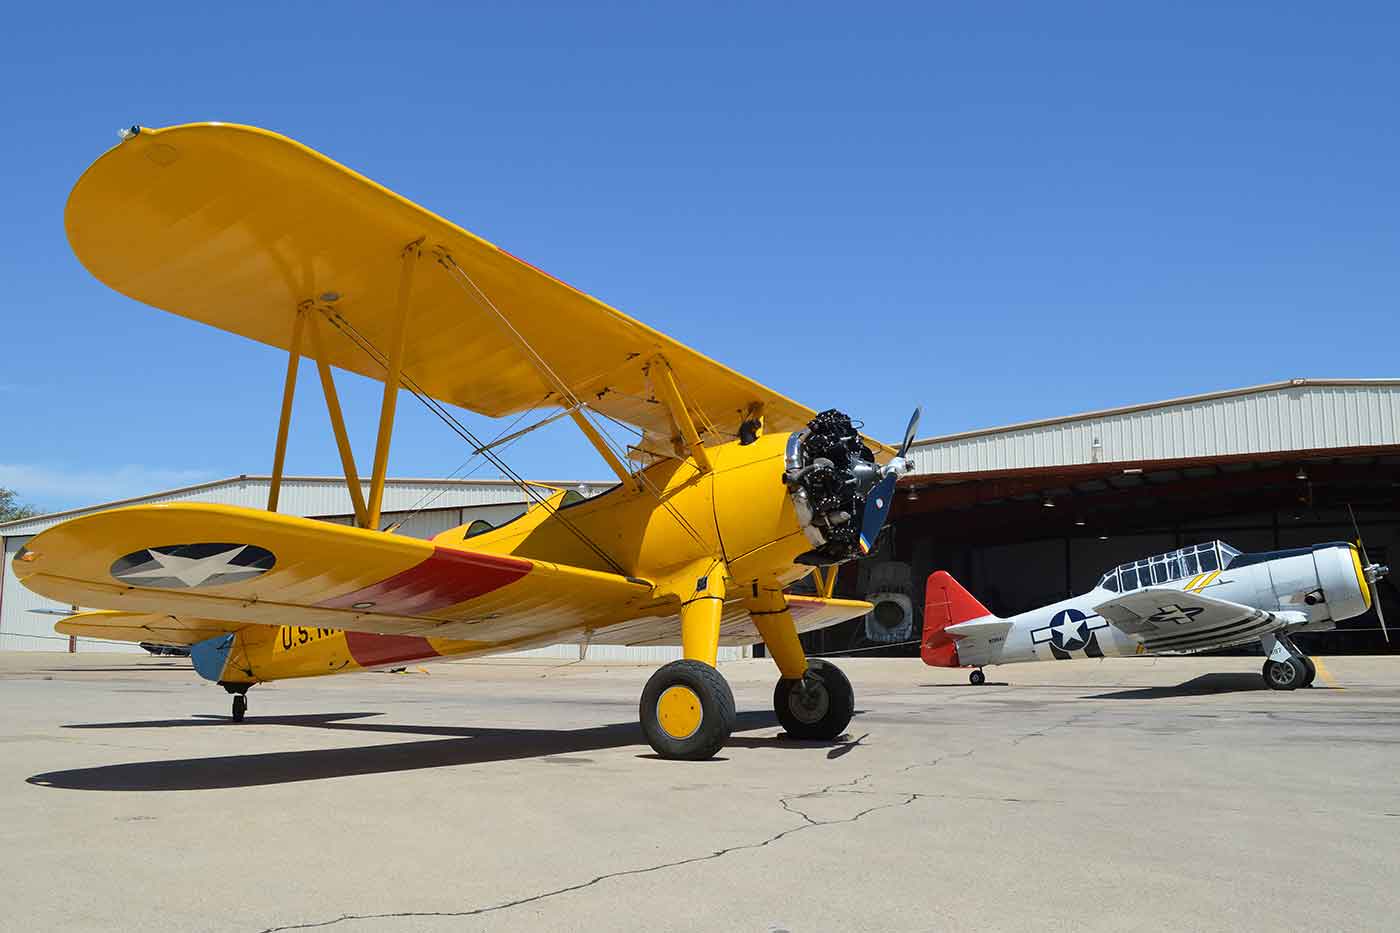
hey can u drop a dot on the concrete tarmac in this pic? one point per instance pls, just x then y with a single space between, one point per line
519 795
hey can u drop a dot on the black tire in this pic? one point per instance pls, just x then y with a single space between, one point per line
820 711
1284 675
240 706
715 702
977 678
1312 671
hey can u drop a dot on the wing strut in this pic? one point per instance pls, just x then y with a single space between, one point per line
342 437
289 388
665 382
387 407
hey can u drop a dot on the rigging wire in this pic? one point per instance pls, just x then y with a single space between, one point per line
437 408
460 275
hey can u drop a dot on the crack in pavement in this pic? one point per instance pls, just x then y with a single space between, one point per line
905 798
1051 728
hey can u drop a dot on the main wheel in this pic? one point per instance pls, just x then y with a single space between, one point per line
818 705
240 706
1311 671
977 678
687 711
1284 675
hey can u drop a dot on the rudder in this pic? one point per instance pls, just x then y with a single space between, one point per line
946 603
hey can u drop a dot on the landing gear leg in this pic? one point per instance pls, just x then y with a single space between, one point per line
977 678
687 708
812 699
240 699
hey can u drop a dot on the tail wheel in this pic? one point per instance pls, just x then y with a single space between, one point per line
818 705
687 711
1284 675
240 706
977 678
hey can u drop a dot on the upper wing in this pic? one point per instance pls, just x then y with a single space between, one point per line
1175 620
736 626
234 565
237 227
153 627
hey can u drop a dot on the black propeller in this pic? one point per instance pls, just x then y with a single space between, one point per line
877 503
1372 572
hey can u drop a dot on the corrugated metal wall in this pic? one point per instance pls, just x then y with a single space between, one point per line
1304 415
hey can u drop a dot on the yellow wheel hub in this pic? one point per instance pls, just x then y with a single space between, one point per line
679 712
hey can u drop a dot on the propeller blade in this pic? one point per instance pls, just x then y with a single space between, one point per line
1359 543
1366 561
909 431
877 506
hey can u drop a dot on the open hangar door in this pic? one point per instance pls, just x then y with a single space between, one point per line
1019 539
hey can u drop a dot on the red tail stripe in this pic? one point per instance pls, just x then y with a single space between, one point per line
945 603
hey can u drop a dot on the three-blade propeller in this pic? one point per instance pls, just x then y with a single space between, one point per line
877 503
1372 572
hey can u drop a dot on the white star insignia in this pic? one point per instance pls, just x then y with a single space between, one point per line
194 571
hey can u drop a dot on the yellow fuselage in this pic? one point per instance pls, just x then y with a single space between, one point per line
678 517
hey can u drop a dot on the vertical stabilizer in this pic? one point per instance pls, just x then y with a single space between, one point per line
946 603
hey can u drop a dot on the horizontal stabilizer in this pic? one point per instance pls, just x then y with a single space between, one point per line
979 629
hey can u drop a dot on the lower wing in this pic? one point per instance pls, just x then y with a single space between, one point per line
736 626
245 566
1175 620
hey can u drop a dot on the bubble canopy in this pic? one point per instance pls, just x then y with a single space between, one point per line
1164 568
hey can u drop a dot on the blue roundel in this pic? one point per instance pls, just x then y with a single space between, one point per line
1068 630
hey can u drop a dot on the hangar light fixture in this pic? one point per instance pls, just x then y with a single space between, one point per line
1302 474
1048 502
1080 522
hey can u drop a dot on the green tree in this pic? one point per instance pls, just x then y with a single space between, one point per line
11 508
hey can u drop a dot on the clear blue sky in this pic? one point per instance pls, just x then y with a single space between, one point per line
1001 211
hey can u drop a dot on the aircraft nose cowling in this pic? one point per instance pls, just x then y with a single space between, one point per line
1343 581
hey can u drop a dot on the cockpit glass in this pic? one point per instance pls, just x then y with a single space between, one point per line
1169 567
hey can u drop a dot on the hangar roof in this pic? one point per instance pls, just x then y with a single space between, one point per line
1291 416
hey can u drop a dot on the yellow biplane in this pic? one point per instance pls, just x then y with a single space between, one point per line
728 493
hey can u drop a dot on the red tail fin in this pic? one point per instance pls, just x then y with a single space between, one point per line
945 603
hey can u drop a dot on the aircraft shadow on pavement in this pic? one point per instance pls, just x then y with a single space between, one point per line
1204 685
449 746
